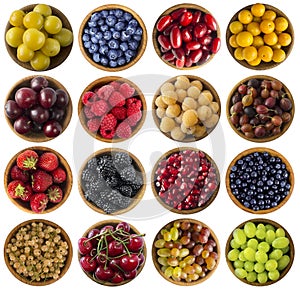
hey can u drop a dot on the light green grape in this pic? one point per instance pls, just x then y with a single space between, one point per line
242 256
280 232
65 37
259 267
168 272
260 233
162 261
252 243
271 265
249 254
160 243
33 19
263 246
174 233
240 273
251 277
239 236
280 242
276 254
286 250
234 244
14 36
261 257
270 236
238 264
164 252
270 227
233 255
283 262
249 229
274 275
262 277
249 266
261 226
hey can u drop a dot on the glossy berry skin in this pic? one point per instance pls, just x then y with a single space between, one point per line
52 128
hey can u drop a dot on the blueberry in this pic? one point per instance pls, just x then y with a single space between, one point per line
92 23
95 16
104 27
104 61
137 37
112 54
93 30
121 61
94 39
87 44
118 13
113 44
85 37
125 36
99 35
120 26
104 13
102 42
107 35
127 16
111 20
133 45
103 50
100 22
94 48
120 53
96 57
130 53
113 64
124 46
133 22
116 34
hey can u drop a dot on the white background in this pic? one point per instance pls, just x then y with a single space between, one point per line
149 73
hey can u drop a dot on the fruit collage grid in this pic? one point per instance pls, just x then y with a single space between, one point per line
149 143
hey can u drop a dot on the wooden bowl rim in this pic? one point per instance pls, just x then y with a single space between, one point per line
200 280
101 82
133 230
206 86
137 164
276 225
39 137
64 236
184 211
141 49
288 95
54 61
262 65
273 153
167 12
67 187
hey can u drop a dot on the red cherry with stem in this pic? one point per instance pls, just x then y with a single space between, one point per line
84 245
114 264
104 273
115 248
93 235
88 264
105 230
117 278
135 243
130 275
129 263
101 258
124 226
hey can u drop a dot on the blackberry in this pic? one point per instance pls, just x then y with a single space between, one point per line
92 163
137 184
112 181
115 197
128 174
126 190
103 160
121 160
88 175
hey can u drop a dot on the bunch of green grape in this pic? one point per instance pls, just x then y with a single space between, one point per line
259 252
37 35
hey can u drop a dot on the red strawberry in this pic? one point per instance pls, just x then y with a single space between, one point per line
27 193
123 130
41 181
99 108
48 161
116 99
126 90
55 194
27 160
59 175
39 202
17 174
15 189
105 91
88 98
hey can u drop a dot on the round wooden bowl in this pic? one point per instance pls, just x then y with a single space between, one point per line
66 186
262 65
201 279
155 189
155 33
141 48
291 251
54 61
31 135
137 165
284 127
114 223
28 280
206 86
105 81
272 153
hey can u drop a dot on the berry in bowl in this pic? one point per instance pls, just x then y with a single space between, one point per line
112 109
260 108
38 37
38 180
259 180
112 37
186 36
112 252
112 181
38 108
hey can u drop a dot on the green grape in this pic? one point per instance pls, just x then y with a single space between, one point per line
239 236
270 227
184 252
43 9
177 272
240 273
283 262
233 255
280 232
238 264
174 233
276 254
160 243
16 18
261 226
252 243
250 229
262 277
162 261
168 272
259 267
52 24
260 233
280 242
249 254
51 47
243 246
24 54
234 244
286 250
189 259
33 19
164 252
249 266
242 256
261 257
40 62
263 246
271 265
65 37
274 275
270 236
33 39
167 236
251 277
14 36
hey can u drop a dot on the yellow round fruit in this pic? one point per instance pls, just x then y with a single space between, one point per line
43 9
33 19
33 39
269 15
267 26
253 28
258 41
235 27
244 38
279 55
265 53
238 54
270 38
258 9
284 39
250 53
52 24
281 24
16 18
51 47
232 41
245 16
255 62
14 36
276 46
40 62
24 54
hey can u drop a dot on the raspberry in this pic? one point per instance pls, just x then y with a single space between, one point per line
115 84
134 118
123 130
89 98
105 91
126 90
107 133
107 126
119 112
132 109
87 112
99 108
134 102
116 99
94 124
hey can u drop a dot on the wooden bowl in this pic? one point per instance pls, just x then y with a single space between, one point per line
141 48
66 186
105 81
155 34
272 153
54 61
284 126
189 137
114 223
215 252
291 251
31 135
155 188
263 65
26 279
137 165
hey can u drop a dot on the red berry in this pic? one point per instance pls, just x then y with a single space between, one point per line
115 84
133 119
48 161
88 112
39 202
105 91
59 175
15 189
55 194
88 98
99 108
123 130
116 99
18 174
119 112
41 180
27 160
94 124
107 126
126 90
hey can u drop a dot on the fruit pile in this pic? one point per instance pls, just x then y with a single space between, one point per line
186 180
37 179
186 109
112 37
111 181
39 108
112 254
112 111
187 37
37 35
260 180
185 251
259 35
260 108
259 252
